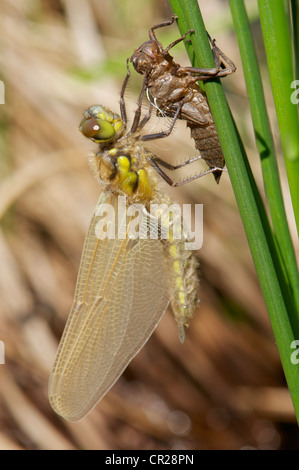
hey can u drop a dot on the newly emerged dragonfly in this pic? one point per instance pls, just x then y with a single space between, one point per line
174 91
125 283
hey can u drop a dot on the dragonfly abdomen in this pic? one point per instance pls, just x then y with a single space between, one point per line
185 279
183 266
207 143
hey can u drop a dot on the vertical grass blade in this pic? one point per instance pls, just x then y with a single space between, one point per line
252 212
266 150
277 39
294 20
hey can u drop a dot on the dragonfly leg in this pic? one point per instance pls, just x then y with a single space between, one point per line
136 122
146 118
169 166
175 184
151 33
153 36
203 73
174 43
138 109
229 66
224 66
161 135
122 103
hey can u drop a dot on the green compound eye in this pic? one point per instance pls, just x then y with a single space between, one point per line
97 110
97 129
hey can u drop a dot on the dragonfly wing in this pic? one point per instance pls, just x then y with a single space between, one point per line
121 293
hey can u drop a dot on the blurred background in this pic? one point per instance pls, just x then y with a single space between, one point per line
224 388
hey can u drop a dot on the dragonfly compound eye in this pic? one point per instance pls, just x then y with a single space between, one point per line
97 129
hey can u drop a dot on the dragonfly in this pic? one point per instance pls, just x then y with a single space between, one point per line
125 283
174 91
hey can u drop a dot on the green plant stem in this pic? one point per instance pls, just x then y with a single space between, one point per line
252 212
266 149
277 39
294 5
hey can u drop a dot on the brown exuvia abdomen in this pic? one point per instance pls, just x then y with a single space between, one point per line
208 145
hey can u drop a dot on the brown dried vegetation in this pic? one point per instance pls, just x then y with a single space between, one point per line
224 388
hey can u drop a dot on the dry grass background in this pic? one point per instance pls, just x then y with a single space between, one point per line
224 388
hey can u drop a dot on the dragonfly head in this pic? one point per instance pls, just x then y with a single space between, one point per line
101 125
146 57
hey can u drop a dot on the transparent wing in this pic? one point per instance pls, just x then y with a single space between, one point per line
122 291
